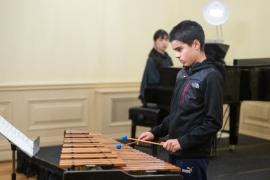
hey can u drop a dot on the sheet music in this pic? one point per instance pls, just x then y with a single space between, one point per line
18 138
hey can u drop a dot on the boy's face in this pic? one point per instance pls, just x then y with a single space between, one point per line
185 53
162 43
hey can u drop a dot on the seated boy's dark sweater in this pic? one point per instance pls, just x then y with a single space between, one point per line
151 75
196 109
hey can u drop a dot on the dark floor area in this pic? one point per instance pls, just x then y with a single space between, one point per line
249 161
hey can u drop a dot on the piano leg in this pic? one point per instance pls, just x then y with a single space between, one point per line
133 130
234 124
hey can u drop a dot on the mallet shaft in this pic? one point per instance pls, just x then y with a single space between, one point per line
143 141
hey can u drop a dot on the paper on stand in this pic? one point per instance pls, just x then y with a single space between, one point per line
18 138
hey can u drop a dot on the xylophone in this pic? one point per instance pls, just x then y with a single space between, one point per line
86 151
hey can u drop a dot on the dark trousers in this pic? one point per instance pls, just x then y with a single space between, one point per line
191 169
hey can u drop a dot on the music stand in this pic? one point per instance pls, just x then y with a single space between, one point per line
18 140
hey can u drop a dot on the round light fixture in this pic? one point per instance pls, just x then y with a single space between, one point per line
216 13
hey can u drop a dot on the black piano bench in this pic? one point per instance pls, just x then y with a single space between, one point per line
147 117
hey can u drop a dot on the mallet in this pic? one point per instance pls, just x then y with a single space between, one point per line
125 138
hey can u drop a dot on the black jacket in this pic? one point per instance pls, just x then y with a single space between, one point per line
151 75
196 109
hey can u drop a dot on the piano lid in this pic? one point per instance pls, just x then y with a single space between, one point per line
252 62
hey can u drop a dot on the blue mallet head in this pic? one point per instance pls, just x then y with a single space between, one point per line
124 138
118 146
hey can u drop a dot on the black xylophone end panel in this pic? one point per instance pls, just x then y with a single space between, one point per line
116 175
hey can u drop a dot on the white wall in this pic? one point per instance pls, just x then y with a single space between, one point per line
66 41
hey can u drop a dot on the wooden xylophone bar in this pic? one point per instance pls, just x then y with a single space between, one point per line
82 148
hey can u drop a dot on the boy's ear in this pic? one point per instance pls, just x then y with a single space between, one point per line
196 44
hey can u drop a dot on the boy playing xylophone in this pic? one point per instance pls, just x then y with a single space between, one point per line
196 108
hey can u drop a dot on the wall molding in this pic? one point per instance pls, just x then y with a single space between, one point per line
47 110
48 113
76 85
255 119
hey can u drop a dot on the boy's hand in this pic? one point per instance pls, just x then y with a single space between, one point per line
146 136
172 145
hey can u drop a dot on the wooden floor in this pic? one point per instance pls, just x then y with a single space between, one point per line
5 172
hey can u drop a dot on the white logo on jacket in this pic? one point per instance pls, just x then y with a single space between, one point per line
195 85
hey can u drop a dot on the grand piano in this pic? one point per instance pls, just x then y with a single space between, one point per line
246 79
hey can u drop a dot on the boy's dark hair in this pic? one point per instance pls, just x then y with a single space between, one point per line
187 31
160 34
